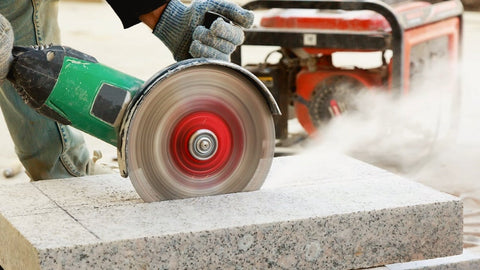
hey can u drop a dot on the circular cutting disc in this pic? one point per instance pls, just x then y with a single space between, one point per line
204 130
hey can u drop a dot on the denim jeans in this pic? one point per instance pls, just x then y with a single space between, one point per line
46 148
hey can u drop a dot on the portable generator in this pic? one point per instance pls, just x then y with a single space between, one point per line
407 37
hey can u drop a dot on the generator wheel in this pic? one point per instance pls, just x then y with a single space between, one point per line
330 98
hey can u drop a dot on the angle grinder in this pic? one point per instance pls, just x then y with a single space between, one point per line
199 127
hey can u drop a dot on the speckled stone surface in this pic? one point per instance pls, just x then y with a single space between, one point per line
327 212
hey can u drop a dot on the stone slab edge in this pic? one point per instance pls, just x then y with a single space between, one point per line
301 244
15 246
468 260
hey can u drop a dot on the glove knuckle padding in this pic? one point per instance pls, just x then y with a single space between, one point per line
197 49
227 31
234 13
209 38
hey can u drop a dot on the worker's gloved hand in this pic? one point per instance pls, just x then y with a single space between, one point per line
180 29
6 45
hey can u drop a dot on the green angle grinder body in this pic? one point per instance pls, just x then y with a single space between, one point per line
199 127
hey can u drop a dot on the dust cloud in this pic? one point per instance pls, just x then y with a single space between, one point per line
392 132
406 133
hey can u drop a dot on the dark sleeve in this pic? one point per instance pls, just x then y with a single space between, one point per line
129 11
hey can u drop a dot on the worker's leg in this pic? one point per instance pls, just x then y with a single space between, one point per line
46 148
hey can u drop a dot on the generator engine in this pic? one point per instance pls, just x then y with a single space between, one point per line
317 75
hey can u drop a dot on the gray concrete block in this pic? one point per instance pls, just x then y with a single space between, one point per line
329 212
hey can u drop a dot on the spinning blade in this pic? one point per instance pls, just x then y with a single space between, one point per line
204 130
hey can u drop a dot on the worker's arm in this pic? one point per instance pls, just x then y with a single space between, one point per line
179 26
131 12
151 18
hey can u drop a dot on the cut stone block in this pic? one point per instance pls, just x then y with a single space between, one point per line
330 212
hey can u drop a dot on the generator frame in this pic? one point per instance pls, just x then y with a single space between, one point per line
335 39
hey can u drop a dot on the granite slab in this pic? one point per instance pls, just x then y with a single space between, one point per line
313 212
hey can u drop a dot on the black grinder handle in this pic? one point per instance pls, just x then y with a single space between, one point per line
210 17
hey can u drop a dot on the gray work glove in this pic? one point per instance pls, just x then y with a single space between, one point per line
6 46
180 29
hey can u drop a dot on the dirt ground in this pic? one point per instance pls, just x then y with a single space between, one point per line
93 28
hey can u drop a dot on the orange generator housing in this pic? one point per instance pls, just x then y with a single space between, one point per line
406 38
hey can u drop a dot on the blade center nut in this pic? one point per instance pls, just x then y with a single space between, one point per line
203 144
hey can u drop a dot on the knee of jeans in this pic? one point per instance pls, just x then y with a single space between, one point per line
74 156
38 169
